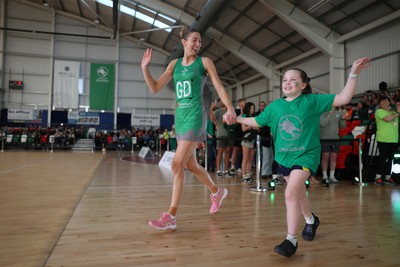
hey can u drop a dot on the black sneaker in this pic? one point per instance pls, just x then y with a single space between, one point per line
219 174
325 182
286 248
390 181
310 230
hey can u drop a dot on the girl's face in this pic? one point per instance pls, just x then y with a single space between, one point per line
192 44
292 85
252 109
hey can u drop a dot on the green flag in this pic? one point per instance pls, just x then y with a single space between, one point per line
101 86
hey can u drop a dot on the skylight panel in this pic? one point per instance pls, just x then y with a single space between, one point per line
141 16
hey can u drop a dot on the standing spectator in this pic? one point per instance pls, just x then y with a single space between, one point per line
210 146
294 122
189 74
267 153
248 143
330 122
236 158
387 137
224 138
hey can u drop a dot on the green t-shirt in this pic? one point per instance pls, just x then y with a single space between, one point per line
386 131
295 128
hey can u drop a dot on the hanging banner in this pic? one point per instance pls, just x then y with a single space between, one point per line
66 84
20 115
101 86
83 118
145 120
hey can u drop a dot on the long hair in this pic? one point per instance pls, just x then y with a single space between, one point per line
246 109
304 79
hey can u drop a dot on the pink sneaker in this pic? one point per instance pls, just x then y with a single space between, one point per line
164 222
217 200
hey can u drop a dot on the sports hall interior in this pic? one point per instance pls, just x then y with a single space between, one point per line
78 201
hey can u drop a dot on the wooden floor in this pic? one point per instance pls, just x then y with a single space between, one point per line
91 209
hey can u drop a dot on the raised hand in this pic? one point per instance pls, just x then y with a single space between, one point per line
146 58
360 64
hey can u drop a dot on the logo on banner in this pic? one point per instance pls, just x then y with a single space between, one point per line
102 73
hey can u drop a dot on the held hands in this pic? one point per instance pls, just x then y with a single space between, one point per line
360 64
146 58
229 117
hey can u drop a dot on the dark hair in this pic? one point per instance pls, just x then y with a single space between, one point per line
185 31
246 109
383 97
304 79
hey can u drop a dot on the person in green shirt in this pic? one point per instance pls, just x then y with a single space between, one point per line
294 122
189 74
387 137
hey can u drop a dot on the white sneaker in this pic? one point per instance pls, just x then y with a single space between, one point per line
333 180
239 170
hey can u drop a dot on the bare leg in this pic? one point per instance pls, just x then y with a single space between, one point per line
227 156
324 161
220 151
183 153
234 156
296 199
200 173
332 161
245 158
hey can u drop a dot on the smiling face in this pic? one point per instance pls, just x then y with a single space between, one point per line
292 85
385 103
192 43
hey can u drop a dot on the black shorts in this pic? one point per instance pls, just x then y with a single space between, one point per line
286 171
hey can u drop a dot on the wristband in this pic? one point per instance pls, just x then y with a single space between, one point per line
352 75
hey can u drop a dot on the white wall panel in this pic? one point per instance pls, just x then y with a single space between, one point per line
130 72
132 89
64 49
15 44
133 55
29 24
27 65
16 10
107 53
255 89
383 46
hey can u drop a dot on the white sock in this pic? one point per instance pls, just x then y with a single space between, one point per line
378 176
310 220
216 194
170 215
292 238
325 174
387 177
331 173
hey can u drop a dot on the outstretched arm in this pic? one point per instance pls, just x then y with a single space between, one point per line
247 121
155 85
230 116
348 91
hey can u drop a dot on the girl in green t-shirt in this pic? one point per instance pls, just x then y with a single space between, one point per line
294 122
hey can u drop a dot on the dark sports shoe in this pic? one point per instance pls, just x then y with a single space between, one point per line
325 182
286 248
379 181
390 181
310 230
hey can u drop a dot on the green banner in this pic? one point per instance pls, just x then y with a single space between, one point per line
101 86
